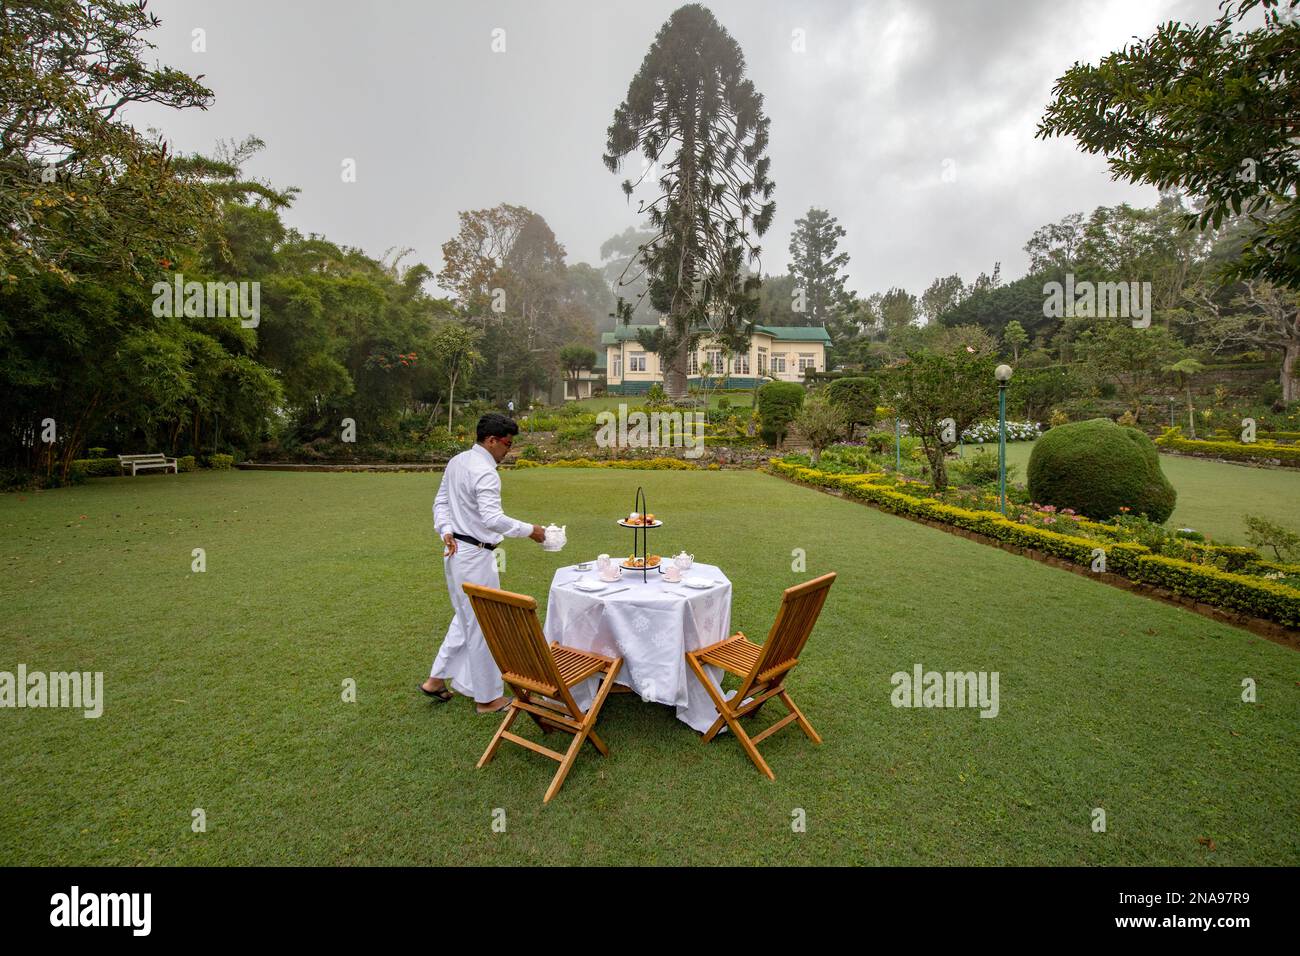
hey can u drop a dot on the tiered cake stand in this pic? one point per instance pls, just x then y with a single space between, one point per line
640 534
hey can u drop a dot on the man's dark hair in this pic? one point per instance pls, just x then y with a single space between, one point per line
496 425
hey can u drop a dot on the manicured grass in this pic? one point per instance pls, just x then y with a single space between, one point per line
223 691
1213 497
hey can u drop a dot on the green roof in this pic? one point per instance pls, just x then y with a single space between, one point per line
796 333
624 333
782 333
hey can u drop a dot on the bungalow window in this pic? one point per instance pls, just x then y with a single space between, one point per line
636 362
740 365
716 363
762 361
778 363
807 360
694 363
618 366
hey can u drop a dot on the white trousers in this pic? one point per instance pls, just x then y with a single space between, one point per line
464 659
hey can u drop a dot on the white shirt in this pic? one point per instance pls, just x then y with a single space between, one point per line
469 500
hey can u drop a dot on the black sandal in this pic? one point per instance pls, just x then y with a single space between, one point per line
441 695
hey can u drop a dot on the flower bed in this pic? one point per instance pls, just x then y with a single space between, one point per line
988 432
1237 590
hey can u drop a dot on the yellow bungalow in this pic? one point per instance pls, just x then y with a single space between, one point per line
775 351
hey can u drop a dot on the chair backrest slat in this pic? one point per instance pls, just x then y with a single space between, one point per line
800 607
514 636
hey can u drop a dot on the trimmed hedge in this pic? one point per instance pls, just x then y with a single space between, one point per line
778 404
1236 451
644 464
1211 585
1098 469
97 467
1261 598
221 462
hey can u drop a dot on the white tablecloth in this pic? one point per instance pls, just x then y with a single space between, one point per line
651 628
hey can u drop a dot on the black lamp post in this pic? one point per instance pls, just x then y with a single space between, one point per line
1003 375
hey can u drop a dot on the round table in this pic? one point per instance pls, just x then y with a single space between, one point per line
651 625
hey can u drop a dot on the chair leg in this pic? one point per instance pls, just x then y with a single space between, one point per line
606 687
806 727
728 715
586 733
496 738
719 701
715 729
565 766
752 750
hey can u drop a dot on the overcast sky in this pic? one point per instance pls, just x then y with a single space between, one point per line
884 98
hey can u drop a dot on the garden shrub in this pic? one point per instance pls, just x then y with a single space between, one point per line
97 467
221 462
980 468
187 463
778 404
1100 469
855 396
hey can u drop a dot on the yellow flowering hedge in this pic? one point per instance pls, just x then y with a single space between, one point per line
1258 596
1240 451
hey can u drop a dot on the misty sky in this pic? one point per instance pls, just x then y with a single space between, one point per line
862 121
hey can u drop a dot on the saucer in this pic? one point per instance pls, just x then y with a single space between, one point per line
700 583
586 584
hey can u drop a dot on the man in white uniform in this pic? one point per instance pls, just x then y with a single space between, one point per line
467 514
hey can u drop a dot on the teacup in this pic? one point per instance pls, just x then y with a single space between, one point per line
672 573
611 573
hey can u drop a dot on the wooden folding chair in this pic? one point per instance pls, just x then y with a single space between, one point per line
763 669
529 666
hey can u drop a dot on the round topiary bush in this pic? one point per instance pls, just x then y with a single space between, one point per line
1097 467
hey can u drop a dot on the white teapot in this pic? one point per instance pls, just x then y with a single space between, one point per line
555 537
684 561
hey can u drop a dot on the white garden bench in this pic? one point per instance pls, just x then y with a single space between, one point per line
138 462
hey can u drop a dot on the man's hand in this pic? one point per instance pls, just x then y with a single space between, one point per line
539 533
450 543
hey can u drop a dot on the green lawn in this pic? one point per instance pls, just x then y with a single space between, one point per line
223 691
1213 497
